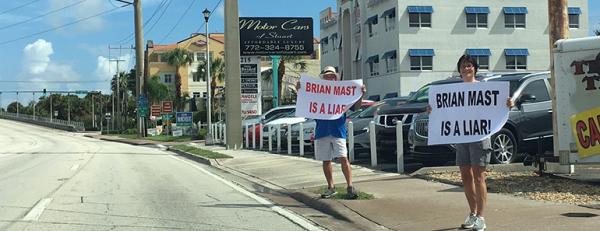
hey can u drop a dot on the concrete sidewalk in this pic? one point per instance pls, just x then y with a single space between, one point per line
403 202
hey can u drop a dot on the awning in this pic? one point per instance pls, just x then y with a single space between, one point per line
373 59
574 10
371 20
515 10
516 52
334 35
325 40
421 52
477 10
389 54
420 9
478 52
390 13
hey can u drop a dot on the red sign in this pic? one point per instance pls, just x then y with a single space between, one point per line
155 110
167 106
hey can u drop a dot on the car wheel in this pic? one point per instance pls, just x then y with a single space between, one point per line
504 146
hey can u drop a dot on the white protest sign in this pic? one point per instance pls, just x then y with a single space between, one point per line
466 112
324 99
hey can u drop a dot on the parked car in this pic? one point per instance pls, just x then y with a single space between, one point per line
528 121
388 116
265 118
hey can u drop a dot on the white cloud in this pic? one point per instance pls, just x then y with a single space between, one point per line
36 56
221 11
79 11
105 69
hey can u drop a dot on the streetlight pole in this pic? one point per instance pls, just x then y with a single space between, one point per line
17 104
33 96
206 14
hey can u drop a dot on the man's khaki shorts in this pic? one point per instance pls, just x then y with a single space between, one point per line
329 147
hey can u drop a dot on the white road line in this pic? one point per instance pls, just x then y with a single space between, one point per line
37 210
283 212
75 167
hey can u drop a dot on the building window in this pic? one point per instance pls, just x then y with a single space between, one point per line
373 65
167 78
481 56
324 43
333 37
421 59
391 61
574 13
196 94
514 17
196 77
516 59
477 17
389 17
204 94
419 16
200 56
371 22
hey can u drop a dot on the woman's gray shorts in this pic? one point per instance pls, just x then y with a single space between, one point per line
474 154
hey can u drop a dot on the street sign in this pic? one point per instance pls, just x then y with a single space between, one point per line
250 85
276 36
167 118
167 106
155 110
142 110
184 119
177 132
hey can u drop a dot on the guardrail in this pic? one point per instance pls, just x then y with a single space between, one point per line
44 121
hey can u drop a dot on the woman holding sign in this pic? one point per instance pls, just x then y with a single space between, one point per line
473 158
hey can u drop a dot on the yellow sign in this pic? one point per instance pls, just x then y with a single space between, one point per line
586 130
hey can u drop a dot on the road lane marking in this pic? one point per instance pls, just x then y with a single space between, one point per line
37 210
301 221
75 167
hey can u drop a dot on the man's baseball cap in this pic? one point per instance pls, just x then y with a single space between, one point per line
330 70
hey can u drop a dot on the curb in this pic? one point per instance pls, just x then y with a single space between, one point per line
200 159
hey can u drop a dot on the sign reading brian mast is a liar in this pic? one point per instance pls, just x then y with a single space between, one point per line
466 112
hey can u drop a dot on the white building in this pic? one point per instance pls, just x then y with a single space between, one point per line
396 46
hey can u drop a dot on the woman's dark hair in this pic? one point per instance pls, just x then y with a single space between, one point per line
467 58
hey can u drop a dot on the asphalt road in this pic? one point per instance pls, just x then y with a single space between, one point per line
54 180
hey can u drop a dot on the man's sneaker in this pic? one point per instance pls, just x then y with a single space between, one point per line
329 193
469 222
479 224
351 193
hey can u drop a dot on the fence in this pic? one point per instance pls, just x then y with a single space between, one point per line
44 121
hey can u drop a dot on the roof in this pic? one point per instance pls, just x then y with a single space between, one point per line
167 47
219 37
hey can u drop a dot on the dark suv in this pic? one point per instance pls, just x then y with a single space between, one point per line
528 121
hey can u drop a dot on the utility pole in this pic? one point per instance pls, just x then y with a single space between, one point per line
93 113
558 18
139 60
232 73
118 83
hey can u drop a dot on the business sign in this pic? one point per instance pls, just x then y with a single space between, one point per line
586 130
155 110
183 119
167 106
326 100
466 112
276 36
250 85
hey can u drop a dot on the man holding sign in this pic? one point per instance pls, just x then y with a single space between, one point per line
467 114
327 101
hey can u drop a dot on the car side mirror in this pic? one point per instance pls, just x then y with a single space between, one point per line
527 98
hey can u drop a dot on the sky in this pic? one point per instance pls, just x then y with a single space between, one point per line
42 44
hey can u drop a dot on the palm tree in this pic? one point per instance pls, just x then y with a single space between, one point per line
217 73
178 58
157 91
297 63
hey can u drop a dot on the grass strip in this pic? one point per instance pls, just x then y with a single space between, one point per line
341 194
200 152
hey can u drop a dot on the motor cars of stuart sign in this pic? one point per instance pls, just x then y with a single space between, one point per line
276 36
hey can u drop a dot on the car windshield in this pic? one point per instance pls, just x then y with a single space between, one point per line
422 95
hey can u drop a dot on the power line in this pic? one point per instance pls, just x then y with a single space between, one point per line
159 17
18 7
59 27
158 8
42 15
178 21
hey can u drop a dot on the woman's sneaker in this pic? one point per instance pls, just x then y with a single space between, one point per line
479 224
329 193
469 222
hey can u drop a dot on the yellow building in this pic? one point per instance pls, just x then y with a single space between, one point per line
192 84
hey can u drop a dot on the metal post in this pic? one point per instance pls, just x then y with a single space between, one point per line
275 59
51 111
260 139
301 139
351 141
93 112
17 104
247 135
289 139
399 147
373 143
33 96
232 73
69 107
278 137
225 135
253 136
269 138
207 14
